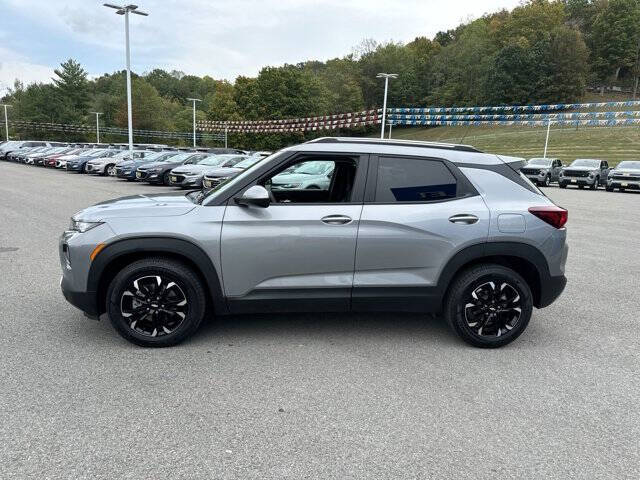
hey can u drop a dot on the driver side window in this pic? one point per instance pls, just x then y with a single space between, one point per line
317 180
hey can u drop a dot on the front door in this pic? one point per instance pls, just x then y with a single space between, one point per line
298 253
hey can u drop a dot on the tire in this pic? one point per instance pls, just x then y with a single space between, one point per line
179 284
110 170
547 181
609 189
622 189
580 187
596 184
489 329
165 178
562 185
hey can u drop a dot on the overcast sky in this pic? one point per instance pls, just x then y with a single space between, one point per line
220 38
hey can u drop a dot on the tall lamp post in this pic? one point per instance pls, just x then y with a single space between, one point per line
6 122
125 10
386 77
194 100
97 126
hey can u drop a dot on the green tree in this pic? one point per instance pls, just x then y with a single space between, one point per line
71 90
615 37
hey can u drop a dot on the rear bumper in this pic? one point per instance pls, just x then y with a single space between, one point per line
550 290
85 301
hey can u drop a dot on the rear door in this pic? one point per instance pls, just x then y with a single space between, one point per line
417 213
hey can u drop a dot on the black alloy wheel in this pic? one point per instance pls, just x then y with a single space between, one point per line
154 305
489 305
156 302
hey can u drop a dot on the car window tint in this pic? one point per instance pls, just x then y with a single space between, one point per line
413 180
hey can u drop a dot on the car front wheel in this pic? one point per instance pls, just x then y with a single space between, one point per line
489 305
110 170
156 302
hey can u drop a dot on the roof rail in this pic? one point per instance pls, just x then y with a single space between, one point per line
400 143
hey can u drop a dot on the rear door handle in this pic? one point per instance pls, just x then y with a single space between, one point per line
336 219
463 219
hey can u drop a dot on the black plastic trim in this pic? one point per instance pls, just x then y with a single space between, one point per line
292 300
159 245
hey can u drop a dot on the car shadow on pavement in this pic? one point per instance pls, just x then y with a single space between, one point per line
313 326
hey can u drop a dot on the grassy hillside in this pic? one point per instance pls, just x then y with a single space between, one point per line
609 143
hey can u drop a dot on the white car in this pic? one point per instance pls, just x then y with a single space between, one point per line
107 165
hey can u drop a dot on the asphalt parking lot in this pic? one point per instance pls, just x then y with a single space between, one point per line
318 395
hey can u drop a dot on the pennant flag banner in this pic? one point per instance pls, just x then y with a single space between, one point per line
515 108
62 127
521 123
524 116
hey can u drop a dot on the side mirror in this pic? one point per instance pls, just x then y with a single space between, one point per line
257 196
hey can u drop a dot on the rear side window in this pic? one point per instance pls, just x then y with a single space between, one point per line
414 180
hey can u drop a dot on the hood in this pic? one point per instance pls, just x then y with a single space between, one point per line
78 158
224 172
193 168
154 205
581 169
164 163
623 171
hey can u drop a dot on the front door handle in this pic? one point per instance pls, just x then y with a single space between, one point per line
463 219
336 219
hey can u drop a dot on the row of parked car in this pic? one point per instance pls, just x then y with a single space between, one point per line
157 164
583 172
207 168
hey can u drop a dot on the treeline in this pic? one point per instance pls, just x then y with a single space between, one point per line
540 52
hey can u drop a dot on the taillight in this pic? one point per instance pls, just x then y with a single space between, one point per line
553 215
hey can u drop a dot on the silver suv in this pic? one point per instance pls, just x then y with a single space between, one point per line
403 226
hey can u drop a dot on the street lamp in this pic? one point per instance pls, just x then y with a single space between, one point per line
6 122
194 100
386 77
97 126
124 10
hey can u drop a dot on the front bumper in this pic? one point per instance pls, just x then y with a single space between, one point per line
576 180
631 184
149 176
85 301
126 173
184 181
537 178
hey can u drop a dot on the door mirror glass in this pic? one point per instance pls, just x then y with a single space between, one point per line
257 196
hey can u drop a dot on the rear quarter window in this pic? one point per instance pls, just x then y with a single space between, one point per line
414 180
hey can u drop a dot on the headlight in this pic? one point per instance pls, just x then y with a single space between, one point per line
591 174
82 226
291 185
155 170
610 173
561 173
543 171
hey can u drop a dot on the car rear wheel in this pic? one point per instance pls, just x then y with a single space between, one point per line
489 305
156 302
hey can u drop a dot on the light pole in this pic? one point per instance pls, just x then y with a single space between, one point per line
386 77
6 122
194 100
97 126
124 10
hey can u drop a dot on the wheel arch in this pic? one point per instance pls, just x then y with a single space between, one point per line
523 258
117 255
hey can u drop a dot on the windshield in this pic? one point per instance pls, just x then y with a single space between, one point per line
193 159
178 157
634 165
98 153
214 160
586 163
247 162
124 154
310 168
199 197
539 161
